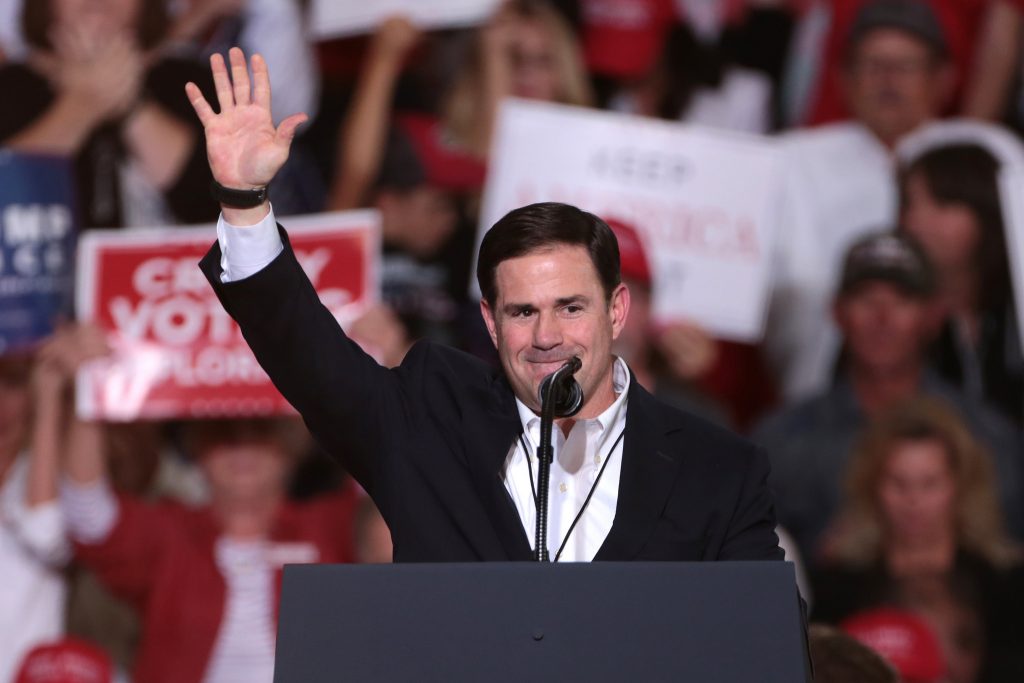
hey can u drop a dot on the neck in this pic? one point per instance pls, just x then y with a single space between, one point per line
246 519
878 388
594 405
921 556
603 396
891 138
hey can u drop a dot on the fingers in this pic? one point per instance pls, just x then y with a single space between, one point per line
225 98
261 82
240 76
286 131
199 104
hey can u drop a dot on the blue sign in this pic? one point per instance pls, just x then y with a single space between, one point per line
37 242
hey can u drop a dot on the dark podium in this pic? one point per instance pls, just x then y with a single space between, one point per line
728 622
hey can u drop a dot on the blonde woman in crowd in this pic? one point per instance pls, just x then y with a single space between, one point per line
527 50
921 507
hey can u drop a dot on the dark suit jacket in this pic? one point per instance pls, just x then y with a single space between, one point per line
428 441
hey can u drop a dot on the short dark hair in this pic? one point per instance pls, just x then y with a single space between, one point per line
914 18
540 226
37 20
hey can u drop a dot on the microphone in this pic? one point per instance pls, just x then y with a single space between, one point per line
561 391
560 396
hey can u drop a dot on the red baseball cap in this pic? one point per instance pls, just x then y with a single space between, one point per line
632 254
66 661
903 639
418 153
624 38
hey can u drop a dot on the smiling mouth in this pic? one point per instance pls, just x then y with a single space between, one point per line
553 364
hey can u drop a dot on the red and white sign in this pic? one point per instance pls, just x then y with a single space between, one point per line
177 353
706 201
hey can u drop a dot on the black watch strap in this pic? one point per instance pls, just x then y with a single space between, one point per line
238 199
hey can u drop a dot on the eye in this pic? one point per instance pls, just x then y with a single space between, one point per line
573 309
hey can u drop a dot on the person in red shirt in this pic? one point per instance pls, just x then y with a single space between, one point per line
205 580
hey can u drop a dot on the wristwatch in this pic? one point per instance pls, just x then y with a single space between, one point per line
238 199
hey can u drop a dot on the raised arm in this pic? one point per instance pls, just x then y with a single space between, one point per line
996 59
244 148
364 136
351 404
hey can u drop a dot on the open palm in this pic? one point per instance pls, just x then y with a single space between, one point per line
244 148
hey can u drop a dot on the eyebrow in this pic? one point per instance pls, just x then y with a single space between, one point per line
511 308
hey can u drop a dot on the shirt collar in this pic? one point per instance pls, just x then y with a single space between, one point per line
611 415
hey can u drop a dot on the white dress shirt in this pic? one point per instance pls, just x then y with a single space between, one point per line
245 251
575 470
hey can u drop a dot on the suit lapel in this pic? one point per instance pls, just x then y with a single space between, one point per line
649 469
497 433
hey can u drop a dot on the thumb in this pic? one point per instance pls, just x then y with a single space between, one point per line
286 131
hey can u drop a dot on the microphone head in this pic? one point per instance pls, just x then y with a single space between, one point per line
566 394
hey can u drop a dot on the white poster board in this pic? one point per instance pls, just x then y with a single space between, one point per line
1011 195
340 18
705 201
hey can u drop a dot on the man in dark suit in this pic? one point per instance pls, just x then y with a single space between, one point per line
444 443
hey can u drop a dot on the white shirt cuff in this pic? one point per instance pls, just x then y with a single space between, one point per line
247 250
91 510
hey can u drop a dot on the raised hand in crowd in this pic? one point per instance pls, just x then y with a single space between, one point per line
97 77
244 148
362 142
53 373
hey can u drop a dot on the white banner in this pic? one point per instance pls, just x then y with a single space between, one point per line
706 201
341 18
1011 195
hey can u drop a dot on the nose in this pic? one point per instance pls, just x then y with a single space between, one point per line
547 333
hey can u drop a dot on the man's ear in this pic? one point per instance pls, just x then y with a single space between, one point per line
488 315
618 309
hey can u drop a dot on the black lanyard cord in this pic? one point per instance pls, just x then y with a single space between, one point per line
590 495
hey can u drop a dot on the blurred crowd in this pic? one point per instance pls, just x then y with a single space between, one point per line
888 389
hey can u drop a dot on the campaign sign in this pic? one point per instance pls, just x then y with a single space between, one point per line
37 243
341 18
705 201
1011 194
177 353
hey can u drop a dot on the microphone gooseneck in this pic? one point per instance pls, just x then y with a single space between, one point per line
560 396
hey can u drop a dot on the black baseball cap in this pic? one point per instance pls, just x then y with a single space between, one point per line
888 257
914 17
